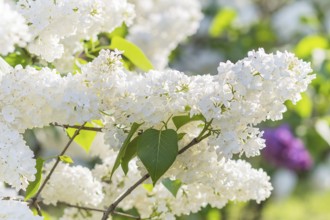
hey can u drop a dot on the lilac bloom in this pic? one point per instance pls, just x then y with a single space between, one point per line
285 150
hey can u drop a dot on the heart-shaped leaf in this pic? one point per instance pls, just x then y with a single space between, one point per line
132 52
66 159
85 138
181 120
157 150
172 185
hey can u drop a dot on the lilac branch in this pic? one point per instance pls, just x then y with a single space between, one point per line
114 205
34 201
102 210
78 127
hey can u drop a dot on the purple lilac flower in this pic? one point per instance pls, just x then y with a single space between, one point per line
285 150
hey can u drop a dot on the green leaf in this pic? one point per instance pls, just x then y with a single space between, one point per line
221 21
131 52
33 186
148 187
123 148
157 150
121 31
66 159
172 185
85 138
98 122
306 45
181 120
18 57
130 153
181 135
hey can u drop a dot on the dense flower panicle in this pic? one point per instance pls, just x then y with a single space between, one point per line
15 210
283 149
13 29
230 180
73 185
161 25
17 165
260 84
34 98
105 77
111 189
57 27
240 96
45 95
162 91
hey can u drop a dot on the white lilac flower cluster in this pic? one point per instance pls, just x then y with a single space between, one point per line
16 159
161 25
57 27
13 29
47 97
15 210
230 180
240 96
54 29
34 98
73 185
259 95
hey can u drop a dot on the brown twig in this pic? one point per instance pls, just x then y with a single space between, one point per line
126 215
34 201
36 205
102 210
12 199
83 207
77 127
113 206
